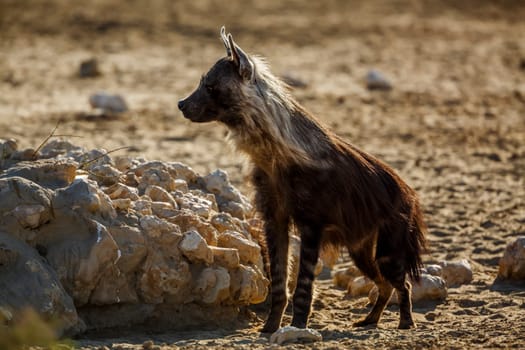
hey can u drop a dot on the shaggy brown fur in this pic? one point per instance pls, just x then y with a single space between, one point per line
334 193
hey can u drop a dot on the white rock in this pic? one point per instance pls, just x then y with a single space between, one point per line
456 273
512 264
375 80
360 286
198 205
213 284
181 185
290 334
163 210
249 252
429 288
434 270
121 203
123 163
157 176
158 194
195 248
154 226
120 190
28 215
7 147
227 257
342 277
142 206
253 286
184 172
104 174
108 103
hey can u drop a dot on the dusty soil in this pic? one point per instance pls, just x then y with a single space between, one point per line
453 126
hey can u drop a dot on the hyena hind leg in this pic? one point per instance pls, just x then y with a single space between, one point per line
364 260
395 273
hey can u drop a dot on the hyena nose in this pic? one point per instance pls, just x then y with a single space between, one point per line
181 105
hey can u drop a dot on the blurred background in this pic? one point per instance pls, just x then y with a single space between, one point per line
447 72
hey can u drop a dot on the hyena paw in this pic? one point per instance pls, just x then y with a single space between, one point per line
365 322
406 324
270 327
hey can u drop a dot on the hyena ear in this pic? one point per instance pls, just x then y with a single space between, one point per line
241 59
225 41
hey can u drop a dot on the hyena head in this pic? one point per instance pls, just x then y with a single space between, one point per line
221 94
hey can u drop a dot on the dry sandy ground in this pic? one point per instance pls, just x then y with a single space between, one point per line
453 126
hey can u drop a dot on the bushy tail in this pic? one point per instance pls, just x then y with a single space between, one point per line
416 242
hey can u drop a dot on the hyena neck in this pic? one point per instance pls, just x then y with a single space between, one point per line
282 135
276 131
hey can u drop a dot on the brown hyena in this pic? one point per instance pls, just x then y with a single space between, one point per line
332 192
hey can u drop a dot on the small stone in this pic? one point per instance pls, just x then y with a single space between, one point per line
434 270
184 172
360 286
375 80
120 190
89 68
142 207
163 210
156 177
512 264
111 104
290 334
7 148
456 273
123 163
249 252
154 226
429 288
195 248
181 185
227 257
343 277
187 221
121 203
214 285
158 194
104 174
148 345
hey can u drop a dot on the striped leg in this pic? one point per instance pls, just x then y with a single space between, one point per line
277 242
302 299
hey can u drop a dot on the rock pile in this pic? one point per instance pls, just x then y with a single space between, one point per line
84 236
432 285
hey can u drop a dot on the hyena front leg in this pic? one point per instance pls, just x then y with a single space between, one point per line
277 243
302 299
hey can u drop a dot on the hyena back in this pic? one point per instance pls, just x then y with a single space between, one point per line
306 176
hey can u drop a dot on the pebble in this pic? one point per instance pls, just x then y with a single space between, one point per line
293 334
375 80
111 104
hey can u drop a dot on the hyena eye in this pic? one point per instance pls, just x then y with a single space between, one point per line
209 88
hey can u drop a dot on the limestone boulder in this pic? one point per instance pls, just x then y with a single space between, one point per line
512 264
26 280
360 286
456 273
429 288
213 284
51 173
